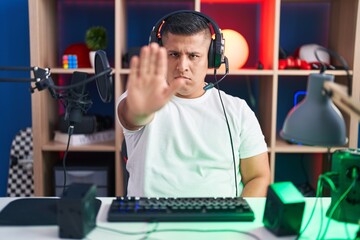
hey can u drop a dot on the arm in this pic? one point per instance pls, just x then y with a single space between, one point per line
147 88
255 174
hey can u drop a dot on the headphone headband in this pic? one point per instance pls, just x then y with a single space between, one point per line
217 48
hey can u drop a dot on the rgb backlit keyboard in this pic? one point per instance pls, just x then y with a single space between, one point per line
131 209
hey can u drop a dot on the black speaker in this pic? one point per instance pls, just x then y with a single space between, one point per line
217 45
76 211
284 209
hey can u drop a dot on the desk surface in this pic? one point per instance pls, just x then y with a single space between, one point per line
201 230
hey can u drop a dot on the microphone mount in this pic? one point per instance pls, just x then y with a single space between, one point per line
42 78
68 93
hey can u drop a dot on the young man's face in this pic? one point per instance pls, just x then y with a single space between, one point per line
188 59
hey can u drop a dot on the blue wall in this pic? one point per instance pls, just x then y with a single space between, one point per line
15 98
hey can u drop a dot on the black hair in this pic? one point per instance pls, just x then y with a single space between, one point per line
185 24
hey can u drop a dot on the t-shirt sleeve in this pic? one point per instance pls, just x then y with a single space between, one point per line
125 130
252 140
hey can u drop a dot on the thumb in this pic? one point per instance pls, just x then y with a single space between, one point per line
175 85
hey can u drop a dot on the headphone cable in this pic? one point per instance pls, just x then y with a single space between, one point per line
228 128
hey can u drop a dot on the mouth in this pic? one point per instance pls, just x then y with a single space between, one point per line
183 77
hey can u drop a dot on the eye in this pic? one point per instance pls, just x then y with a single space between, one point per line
174 54
193 56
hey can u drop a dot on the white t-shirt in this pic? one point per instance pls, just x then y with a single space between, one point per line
185 151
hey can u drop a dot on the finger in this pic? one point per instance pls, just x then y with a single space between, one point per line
134 70
161 65
144 62
174 86
154 49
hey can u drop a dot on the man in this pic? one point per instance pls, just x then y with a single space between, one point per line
178 141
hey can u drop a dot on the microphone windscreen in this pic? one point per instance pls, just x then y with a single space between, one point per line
104 83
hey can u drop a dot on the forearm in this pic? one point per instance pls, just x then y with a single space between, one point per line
256 187
131 120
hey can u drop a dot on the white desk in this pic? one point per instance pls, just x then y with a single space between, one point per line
336 230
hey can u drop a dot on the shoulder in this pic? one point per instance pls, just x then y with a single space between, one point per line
230 102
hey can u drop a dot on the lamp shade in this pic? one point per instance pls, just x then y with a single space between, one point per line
316 120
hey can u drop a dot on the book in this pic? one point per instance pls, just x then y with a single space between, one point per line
84 139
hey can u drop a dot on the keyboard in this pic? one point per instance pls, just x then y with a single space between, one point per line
133 209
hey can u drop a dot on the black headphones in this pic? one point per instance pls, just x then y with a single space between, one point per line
217 46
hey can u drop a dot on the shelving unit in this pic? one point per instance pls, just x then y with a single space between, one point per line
129 21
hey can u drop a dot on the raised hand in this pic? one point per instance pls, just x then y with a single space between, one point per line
147 89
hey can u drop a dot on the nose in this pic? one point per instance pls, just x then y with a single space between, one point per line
183 64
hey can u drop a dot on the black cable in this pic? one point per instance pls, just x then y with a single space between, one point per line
250 92
207 231
337 204
70 132
155 230
321 208
322 177
229 131
328 153
341 60
309 220
67 87
126 232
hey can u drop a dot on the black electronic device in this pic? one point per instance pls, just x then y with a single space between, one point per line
76 211
91 168
345 200
133 209
217 46
284 209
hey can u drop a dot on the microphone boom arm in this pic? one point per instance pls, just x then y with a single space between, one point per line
42 78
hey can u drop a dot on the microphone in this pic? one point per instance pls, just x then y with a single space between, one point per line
211 85
104 83
76 101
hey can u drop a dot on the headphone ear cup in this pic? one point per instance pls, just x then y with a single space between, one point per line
215 54
211 55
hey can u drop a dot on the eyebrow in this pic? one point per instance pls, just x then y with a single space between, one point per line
194 52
